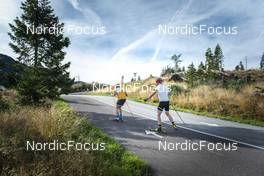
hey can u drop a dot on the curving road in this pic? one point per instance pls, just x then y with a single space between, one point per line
178 159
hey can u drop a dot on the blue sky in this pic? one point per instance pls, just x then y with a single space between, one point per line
132 43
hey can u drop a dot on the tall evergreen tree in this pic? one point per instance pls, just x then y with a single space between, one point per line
209 64
40 50
183 69
201 72
262 62
218 58
190 75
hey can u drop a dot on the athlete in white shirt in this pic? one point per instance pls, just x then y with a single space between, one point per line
163 95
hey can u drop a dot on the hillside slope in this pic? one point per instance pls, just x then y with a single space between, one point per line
7 71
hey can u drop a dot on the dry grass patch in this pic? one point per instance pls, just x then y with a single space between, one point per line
45 124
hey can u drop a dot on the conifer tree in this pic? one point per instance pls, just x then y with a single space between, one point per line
190 75
183 69
210 65
38 40
219 58
201 72
262 62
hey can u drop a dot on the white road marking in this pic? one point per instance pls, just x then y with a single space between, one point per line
205 133
209 124
197 131
153 133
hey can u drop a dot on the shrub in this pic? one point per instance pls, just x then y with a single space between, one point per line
176 89
236 84
8 99
59 122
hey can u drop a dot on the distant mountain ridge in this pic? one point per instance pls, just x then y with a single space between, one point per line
8 63
7 70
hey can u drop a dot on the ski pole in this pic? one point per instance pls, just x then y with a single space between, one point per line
178 114
130 111
114 101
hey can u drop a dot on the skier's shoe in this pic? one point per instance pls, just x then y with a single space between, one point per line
174 126
121 118
117 118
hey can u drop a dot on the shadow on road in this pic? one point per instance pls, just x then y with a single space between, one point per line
133 128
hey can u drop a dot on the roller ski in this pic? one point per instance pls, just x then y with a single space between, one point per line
119 118
157 130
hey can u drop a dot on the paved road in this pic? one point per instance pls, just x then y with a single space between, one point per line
248 159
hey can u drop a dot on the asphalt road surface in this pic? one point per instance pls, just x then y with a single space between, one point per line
168 153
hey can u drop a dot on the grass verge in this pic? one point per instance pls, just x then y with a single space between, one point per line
59 122
208 114
252 121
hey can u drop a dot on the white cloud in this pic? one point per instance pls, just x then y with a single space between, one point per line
193 47
75 4
9 9
181 16
132 46
90 15
97 67
132 26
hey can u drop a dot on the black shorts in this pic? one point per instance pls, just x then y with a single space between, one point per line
164 105
120 102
